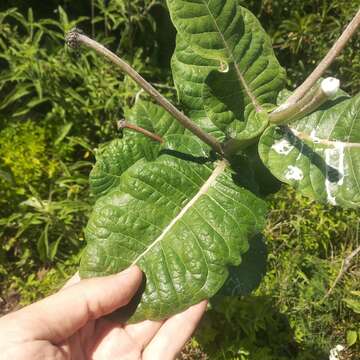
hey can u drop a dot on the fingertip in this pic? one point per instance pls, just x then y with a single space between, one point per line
132 274
203 305
72 281
106 294
169 341
193 313
132 270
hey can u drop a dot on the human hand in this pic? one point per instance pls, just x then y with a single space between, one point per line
69 325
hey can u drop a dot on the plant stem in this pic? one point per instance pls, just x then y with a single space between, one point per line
327 61
344 268
122 124
74 39
307 104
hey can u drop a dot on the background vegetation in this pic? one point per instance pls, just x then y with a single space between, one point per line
57 106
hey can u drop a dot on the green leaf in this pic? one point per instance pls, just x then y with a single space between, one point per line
7 176
320 154
189 73
252 174
118 155
63 132
351 337
267 183
247 78
245 278
43 244
53 250
353 304
254 127
154 118
14 95
179 217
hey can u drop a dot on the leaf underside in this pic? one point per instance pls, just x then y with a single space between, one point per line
320 154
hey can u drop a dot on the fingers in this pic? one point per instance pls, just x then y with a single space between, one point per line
113 342
72 281
172 336
143 332
60 315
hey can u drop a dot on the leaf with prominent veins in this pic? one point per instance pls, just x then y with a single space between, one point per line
219 169
189 73
154 118
113 158
320 154
180 218
247 77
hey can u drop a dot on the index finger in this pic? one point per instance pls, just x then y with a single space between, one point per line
169 340
72 281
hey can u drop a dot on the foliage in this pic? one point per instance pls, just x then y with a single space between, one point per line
53 112
44 282
23 152
319 154
158 215
301 31
41 199
70 108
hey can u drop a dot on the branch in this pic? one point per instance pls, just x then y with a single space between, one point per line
287 113
74 39
327 61
344 268
122 124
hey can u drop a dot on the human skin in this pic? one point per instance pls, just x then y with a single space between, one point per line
71 325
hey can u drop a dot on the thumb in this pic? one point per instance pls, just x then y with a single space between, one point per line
59 316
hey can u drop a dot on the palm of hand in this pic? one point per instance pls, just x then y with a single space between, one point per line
69 325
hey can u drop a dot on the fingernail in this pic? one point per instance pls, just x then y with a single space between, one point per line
128 270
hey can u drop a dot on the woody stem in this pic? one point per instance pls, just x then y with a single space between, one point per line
74 39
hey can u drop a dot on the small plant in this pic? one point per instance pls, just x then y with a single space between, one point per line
183 200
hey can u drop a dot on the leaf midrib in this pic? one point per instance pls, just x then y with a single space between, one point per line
306 137
238 72
327 142
219 169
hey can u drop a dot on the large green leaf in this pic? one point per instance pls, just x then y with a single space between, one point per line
241 76
266 182
320 154
189 73
179 217
117 156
